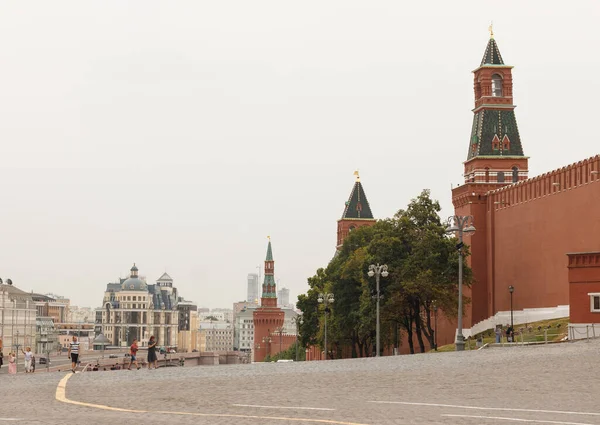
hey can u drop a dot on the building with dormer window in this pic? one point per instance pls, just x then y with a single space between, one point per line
133 309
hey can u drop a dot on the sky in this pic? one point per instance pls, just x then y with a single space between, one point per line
179 135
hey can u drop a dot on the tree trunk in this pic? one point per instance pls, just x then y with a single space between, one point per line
418 331
428 331
407 324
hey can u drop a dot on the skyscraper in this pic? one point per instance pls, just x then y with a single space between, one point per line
283 296
252 296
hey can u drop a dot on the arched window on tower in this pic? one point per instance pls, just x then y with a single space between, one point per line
487 175
515 175
496 85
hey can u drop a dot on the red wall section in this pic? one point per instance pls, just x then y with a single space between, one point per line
535 223
584 278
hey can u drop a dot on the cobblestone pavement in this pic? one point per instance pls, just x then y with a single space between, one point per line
542 384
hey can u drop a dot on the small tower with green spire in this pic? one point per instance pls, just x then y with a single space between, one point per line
268 318
269 290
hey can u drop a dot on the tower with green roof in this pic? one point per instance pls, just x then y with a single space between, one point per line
268 318
269 290
495 155
495 158
357 212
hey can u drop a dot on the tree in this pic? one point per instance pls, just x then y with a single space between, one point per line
422 262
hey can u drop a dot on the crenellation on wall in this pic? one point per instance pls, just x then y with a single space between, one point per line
550 183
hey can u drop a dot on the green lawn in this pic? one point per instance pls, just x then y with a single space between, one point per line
556 329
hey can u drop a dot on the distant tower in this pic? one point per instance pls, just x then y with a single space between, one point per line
356 214
283 296
252 295
268 317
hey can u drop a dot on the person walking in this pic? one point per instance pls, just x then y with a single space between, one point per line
32 363
73 353
133 353
152 353
28 355
12 363
1 359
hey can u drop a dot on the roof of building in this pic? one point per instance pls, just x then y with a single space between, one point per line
134 284
12 290
165 276
357 206
492 54
41 297
269 252
495 133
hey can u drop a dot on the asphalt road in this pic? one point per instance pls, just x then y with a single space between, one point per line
552 384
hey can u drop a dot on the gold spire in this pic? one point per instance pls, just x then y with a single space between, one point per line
269 238
491 29
357 176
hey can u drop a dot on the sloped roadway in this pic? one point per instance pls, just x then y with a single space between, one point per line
554 384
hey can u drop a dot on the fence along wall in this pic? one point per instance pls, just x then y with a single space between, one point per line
534 224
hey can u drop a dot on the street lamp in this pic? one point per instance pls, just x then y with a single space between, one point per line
267 340
461 225
377 270
511 289
297 320
280 330
435 310
326 299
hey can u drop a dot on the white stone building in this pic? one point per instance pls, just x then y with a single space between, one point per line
132 309
216 336
17 319
244 329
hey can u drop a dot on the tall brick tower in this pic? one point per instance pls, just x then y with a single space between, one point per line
495 159
268 317
356 214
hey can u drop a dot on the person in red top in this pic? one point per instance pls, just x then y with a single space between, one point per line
133 352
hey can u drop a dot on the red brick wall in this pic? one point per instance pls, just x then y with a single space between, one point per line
535 223
266 320
584 278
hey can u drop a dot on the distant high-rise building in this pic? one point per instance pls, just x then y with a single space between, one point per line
283 296
252 288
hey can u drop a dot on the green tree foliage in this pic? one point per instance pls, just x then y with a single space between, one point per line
423 268
289 354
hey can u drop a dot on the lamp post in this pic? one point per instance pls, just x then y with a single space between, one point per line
435 309
17 345
297 320
267 341
460 225
511 289
377 270
280 330
326 299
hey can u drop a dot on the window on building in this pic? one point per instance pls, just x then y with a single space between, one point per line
595 302
515 174
500 177
496 85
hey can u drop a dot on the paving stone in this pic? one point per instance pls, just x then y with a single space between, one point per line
558 377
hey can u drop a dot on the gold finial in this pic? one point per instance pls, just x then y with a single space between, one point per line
269 238
491 29
357 176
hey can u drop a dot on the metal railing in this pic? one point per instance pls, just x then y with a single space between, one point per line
590 332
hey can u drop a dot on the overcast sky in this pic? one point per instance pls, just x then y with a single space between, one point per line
179 134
